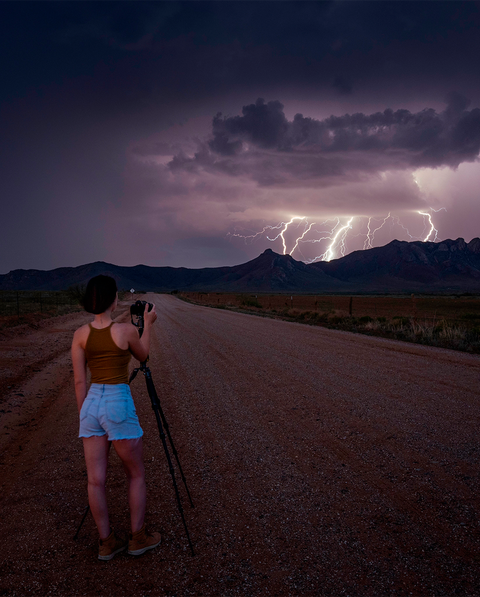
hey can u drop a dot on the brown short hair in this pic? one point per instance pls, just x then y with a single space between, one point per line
100 294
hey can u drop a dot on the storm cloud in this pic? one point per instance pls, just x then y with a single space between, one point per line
410 140
261 145
124 138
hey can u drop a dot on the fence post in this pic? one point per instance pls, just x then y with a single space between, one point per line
350 306
18 305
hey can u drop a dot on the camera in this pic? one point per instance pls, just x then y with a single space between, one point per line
138 308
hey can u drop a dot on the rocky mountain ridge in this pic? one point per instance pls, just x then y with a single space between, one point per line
400 266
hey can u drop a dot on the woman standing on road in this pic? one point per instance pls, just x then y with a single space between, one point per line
107 412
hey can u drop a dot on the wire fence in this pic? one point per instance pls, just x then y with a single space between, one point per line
23 302
465 310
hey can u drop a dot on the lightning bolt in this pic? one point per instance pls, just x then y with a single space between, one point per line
329 253
432 227
368 244
300 238
253 236
397 221
286 225
336 234
328 232
319 238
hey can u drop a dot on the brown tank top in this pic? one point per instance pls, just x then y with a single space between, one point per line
107 362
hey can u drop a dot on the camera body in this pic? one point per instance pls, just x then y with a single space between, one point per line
138 308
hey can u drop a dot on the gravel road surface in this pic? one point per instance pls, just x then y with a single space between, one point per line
320 463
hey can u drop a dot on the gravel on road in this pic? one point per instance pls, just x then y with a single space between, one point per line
320 463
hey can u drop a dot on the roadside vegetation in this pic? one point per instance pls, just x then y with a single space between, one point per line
28 307
18 307
444 321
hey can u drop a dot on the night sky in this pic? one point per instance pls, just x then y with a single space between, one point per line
191 133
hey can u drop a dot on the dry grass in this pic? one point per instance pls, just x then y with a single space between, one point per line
446 321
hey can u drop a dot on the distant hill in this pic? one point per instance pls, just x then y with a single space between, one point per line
403 266
448 266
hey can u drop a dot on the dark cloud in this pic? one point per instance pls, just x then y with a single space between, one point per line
394 139
221 143
262 124
97 97
179 50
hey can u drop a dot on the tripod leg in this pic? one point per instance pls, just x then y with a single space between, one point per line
87 510
154 397
172 473
156 409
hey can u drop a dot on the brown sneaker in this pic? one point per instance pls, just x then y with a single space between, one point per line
141 541
110 546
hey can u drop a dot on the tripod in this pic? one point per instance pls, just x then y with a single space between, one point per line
160 418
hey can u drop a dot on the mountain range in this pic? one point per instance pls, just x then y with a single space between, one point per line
400 266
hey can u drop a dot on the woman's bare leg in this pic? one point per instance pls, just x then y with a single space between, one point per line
130 452
96 457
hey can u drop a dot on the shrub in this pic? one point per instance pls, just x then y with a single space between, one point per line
306 315
373 325
336 319
365 319
399 321
77 293
248 302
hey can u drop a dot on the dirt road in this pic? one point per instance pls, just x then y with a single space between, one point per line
320 463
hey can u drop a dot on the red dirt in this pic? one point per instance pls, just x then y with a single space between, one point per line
320 463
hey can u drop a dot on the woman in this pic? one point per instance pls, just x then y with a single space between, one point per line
107 412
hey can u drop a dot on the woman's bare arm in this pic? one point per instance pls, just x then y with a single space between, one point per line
140 347
79 363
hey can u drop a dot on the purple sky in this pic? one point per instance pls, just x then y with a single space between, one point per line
199 134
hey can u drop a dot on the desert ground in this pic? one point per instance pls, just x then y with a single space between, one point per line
320 463
434 307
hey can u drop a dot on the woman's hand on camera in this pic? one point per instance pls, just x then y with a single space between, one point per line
149 316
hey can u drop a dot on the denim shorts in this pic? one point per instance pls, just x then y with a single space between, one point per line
109 409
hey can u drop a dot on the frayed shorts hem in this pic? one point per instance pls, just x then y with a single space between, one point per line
109 439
